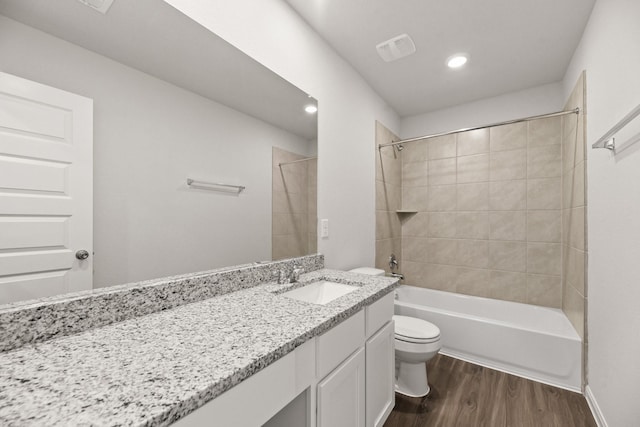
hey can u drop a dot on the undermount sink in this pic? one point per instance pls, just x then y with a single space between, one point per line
322 292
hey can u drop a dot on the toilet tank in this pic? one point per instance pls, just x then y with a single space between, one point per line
368 271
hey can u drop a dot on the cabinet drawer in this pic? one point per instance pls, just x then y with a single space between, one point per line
379 313
337 344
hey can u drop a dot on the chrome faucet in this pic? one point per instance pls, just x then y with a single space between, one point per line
291 277
295 274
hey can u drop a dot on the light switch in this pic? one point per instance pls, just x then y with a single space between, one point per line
324 228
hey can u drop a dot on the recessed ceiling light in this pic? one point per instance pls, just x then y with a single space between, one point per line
311 109
457 60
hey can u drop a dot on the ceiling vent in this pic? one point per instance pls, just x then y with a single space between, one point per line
99 5
396 48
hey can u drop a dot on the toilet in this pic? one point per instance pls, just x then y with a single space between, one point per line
416 342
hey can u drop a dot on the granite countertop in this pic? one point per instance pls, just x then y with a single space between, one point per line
153 370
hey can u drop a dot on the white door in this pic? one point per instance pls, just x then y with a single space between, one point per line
46 190
341 395
380 380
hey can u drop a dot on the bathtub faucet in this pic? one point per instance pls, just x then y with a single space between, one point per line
397 276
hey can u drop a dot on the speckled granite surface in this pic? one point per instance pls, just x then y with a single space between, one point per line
46 318
154 369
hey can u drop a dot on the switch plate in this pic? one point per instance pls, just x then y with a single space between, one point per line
324 228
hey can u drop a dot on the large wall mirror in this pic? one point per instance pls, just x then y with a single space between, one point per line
171 102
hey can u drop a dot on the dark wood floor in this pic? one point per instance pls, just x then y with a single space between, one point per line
467 395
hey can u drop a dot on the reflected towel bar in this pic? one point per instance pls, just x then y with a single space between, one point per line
607 140
212 185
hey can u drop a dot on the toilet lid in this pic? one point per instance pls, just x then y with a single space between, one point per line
415 330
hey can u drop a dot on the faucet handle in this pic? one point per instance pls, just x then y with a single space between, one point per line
295 274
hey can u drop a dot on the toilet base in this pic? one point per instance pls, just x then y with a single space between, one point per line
412 380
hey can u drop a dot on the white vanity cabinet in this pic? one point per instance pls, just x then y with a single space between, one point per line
356 366
344 377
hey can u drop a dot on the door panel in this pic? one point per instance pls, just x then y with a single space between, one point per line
341 395
46 185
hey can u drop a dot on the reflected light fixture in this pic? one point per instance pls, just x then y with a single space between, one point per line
311 109
99 5
457 60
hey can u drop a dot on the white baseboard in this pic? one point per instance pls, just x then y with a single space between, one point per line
595 409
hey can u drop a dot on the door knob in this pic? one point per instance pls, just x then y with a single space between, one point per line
82 254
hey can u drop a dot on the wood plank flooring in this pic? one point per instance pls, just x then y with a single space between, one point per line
468 395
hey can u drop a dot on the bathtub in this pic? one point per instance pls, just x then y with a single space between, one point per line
533 342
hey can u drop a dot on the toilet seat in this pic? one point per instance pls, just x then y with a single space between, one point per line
413 330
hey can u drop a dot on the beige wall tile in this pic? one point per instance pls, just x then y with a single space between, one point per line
473 168
573 306
566 225
442 198
442 224
389 169
544 193
417 151
508 195
508 256
544 226
473 142
415 198
288 224
416 225
384 248
545 132
415 273
508 225
505 165
415 249
506 285
577 229
578 192
472 281
575 269
442 277
544 258
388 196
289 202
442 251
288 181
473 253
415 174
568 142
387 225
472 225
508 137
544 162
473 197
442 171
544 290
442 147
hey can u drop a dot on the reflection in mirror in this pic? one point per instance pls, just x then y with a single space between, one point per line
171 101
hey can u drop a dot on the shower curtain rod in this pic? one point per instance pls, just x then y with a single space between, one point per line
297 161
508 122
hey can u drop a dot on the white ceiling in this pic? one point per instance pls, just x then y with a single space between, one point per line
153 37
513 44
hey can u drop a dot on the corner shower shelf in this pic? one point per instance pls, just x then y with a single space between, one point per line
406 211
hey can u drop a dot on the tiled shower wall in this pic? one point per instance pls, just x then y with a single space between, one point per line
574 204
488 219
388 199
490 224
294 206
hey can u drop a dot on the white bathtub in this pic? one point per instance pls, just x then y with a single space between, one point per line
530 341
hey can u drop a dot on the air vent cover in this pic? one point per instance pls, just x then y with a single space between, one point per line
99 5
396 48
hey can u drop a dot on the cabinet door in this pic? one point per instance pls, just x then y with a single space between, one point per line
341 395
380 367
